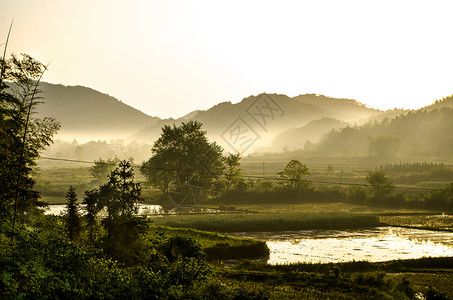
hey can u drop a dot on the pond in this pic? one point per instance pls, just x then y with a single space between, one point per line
371 244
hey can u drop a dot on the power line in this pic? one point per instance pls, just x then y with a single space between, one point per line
243 176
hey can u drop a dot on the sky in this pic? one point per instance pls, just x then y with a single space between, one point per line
170 57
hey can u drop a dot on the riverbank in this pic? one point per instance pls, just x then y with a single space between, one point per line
220 246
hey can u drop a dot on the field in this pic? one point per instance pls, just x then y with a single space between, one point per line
357 280
269 221
425 221
53 180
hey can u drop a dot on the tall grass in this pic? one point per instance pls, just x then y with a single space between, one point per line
220 246
269 222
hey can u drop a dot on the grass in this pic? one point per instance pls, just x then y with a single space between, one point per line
204 238
53 183
219 246
269 221
333 207
355 280
433 222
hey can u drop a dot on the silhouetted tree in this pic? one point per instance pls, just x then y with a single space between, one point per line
183 156
16 94
72 216
232 171
91 200
120 196
293 173
380 184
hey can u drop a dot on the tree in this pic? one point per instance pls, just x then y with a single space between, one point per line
72 216
293 173
232 171
22 135
384 146
183 159
120 196
102 168
380 184
156 176
442 198
90 200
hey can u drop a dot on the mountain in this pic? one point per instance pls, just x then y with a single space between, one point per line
420 133
295 138
264 116
445 102
86 114
342 109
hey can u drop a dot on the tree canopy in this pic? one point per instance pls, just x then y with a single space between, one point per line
18 97
183 157
293 173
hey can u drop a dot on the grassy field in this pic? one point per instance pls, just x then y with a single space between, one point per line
337 207
356 280
53 183
359 280
433 222
269 221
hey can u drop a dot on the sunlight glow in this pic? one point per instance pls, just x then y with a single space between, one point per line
170 58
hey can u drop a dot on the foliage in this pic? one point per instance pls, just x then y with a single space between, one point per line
426 132
15 102
233 171
381 186
293 173
102 168
90 200
119 197
44 266
72 216
384 146
182 157
357 194
443 198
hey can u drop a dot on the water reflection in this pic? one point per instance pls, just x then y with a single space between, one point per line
375 244
143 209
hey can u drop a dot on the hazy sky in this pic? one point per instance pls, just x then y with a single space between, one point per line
168 58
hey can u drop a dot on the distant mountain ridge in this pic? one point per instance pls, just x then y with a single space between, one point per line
87 113
275 122
268 115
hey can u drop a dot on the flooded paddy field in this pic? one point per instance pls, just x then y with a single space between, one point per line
370 244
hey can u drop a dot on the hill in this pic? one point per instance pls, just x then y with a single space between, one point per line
87 114
445 102
254 122
420 133
264 116
342 109
296 138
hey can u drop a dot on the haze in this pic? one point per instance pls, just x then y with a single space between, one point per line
168 58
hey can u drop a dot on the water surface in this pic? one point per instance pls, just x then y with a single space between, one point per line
371 244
